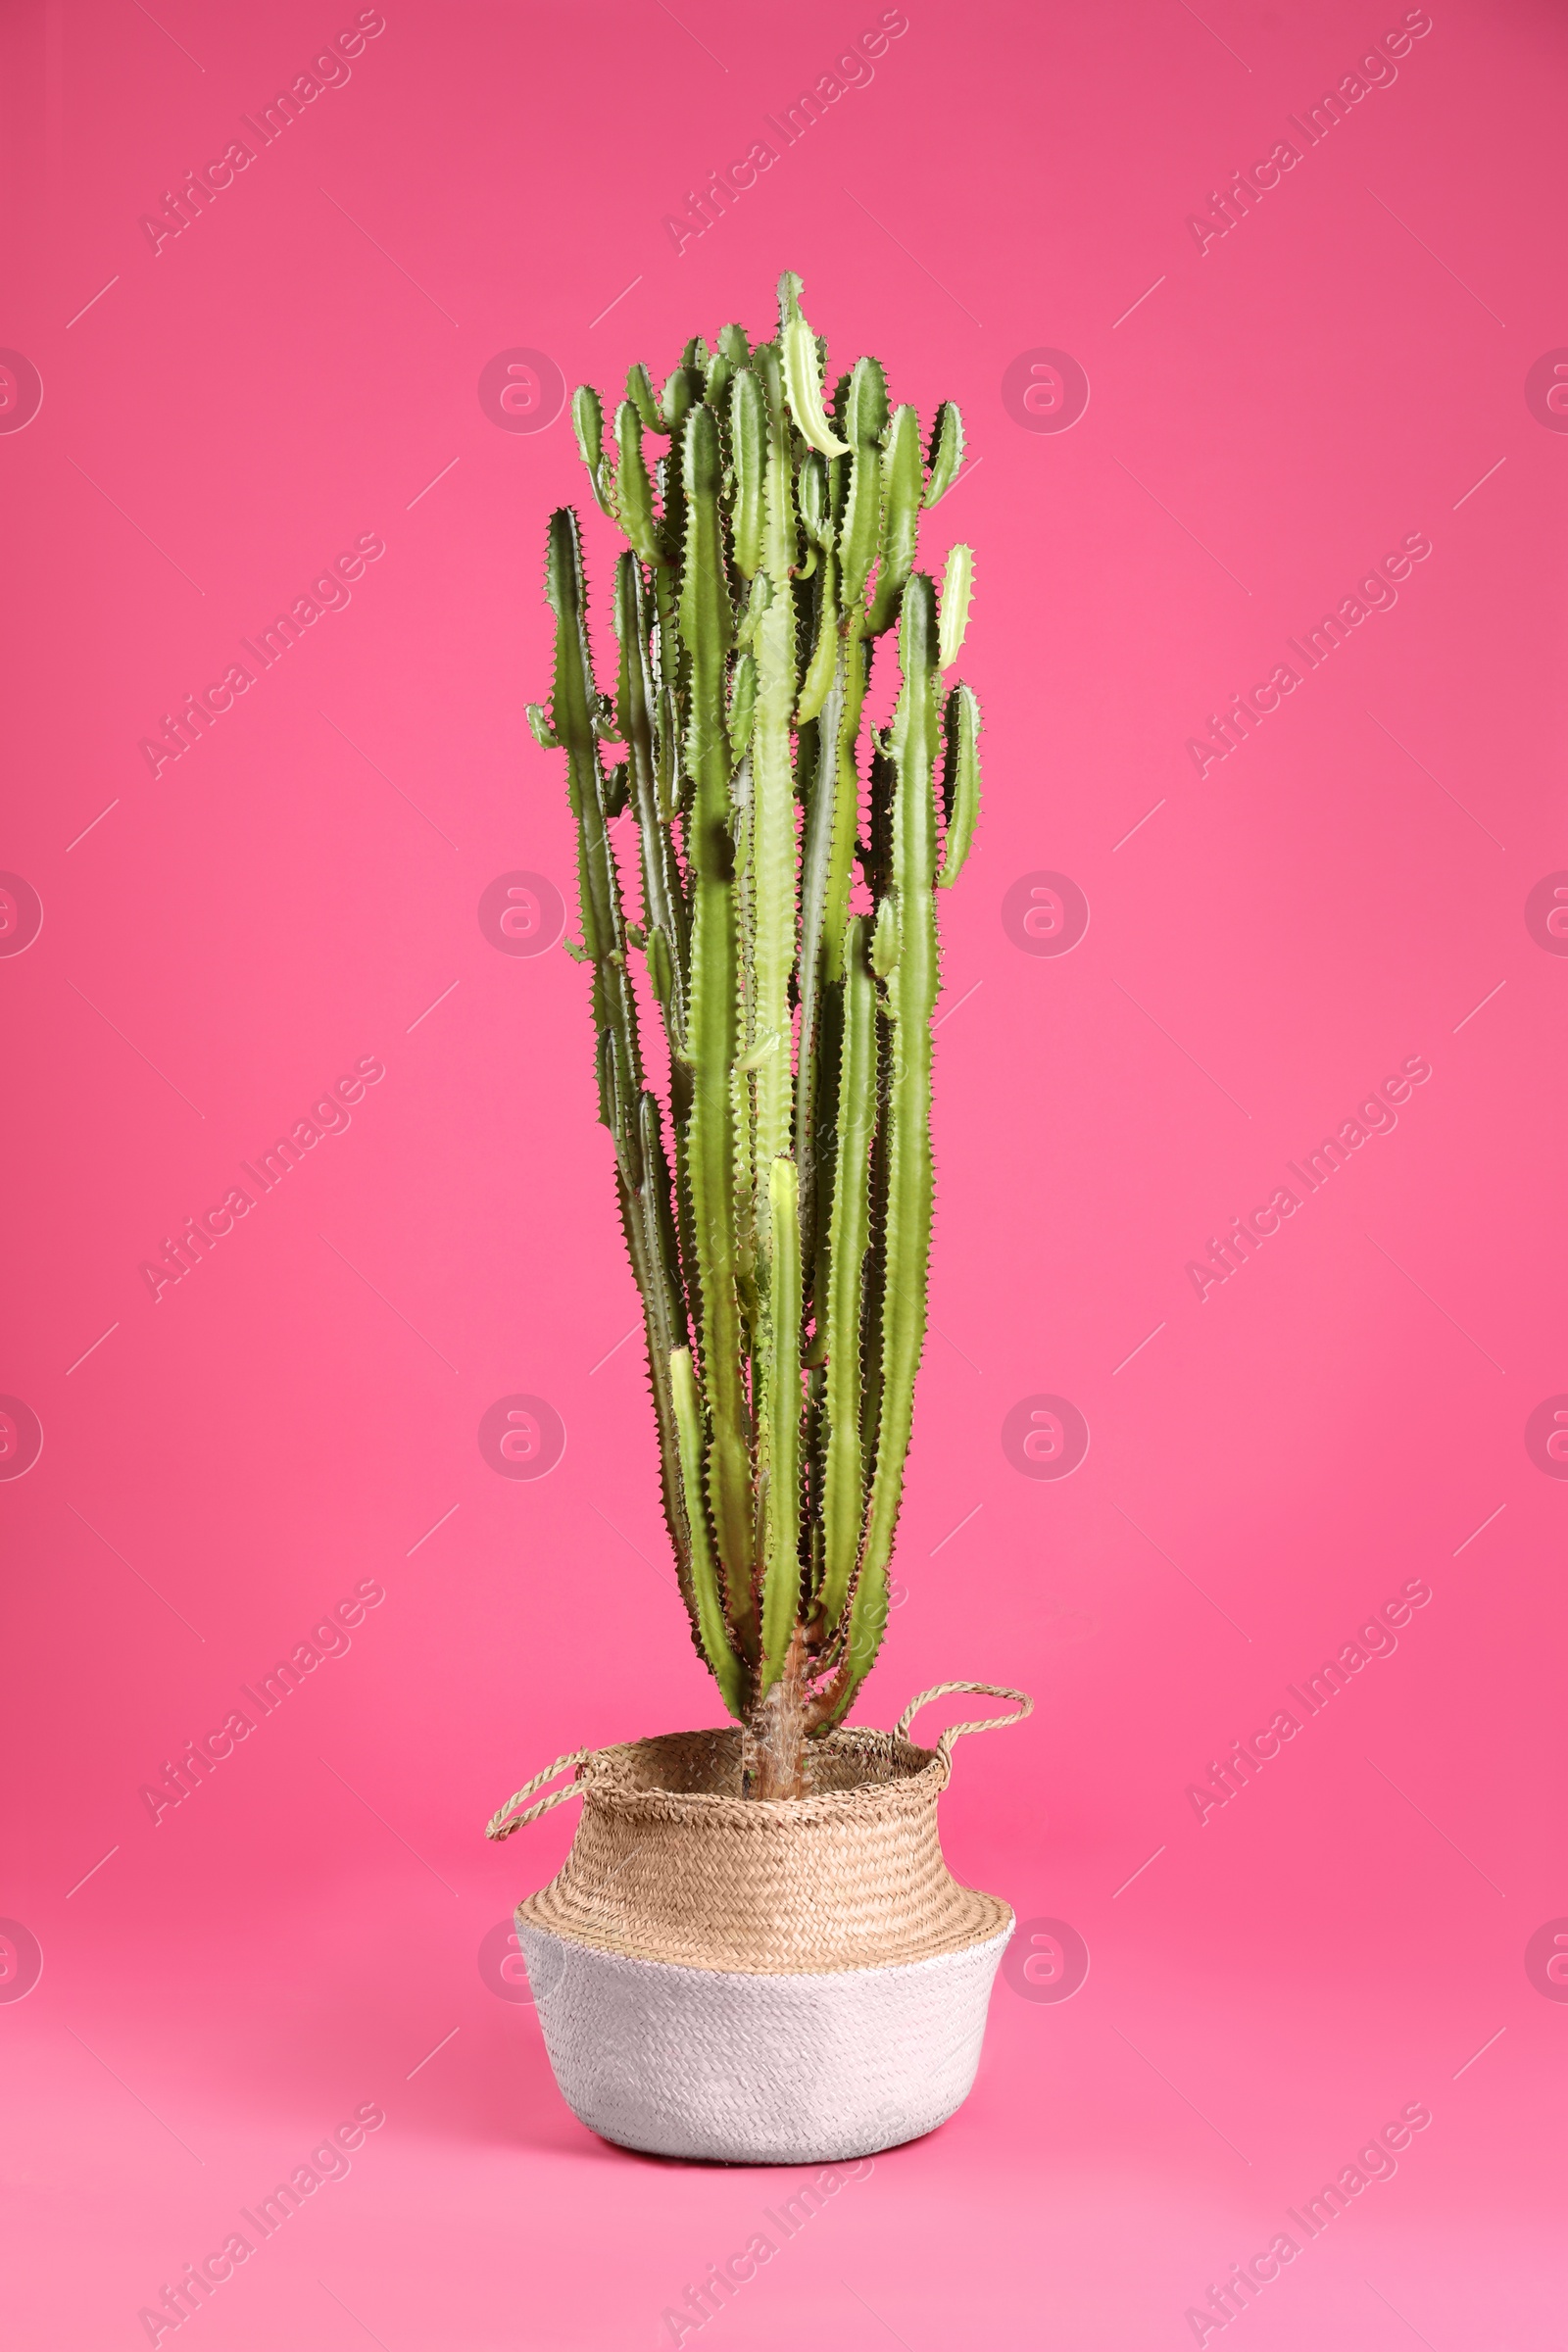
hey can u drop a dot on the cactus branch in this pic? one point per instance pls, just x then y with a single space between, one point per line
960 782
957 584
946 454
912 995
706 627
803 371
781 1586
844 1487
773 849
712 1631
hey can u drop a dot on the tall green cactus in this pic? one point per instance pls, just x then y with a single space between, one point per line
777 1202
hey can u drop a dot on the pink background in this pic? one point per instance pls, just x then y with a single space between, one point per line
1268 419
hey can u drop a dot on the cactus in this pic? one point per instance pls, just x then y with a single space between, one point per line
776 1203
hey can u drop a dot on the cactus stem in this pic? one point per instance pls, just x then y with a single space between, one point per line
775 1182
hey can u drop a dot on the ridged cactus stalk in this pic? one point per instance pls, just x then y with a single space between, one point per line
776 1189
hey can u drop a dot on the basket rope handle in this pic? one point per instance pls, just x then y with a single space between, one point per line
508 1819
1024 1705
501 1824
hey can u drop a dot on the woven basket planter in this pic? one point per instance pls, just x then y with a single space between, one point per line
785 1981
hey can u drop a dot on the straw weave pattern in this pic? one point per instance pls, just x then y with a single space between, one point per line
672 1863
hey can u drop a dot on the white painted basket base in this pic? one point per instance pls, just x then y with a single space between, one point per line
760 2069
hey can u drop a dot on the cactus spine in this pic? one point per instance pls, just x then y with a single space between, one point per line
777 1206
